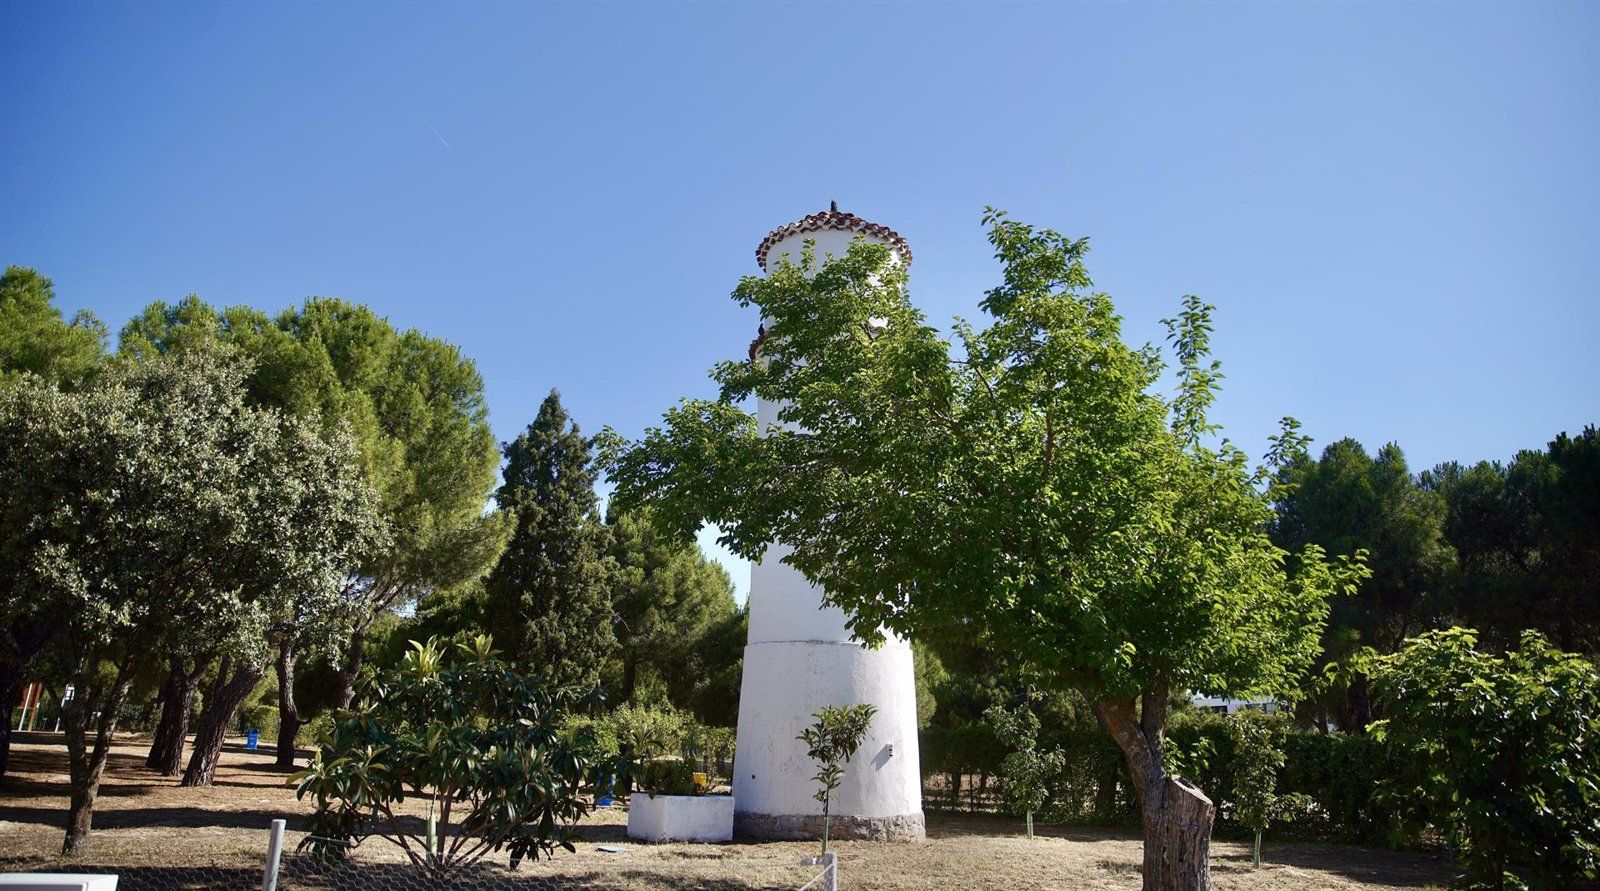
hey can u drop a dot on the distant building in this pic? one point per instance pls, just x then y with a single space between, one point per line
1229 706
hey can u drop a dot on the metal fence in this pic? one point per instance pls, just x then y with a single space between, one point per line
287 868
828 879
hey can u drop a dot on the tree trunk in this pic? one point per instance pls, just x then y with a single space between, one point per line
1175 814
10 692
86 765
1360 705
222 703
351 668
21 642
630 678
177 704
1105 800
1179 821
288 714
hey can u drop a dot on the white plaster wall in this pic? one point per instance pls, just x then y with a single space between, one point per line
701 818
785 683
830 243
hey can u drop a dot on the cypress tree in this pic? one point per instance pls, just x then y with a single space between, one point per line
548 600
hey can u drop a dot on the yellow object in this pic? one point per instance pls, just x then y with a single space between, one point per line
701 783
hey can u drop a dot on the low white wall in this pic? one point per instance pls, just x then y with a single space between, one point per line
40 881
700 818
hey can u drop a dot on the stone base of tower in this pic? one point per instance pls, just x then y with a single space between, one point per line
785 683
804 827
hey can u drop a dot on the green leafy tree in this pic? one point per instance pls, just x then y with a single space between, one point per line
154 504
34 339
1349 501
1025 486
1257 740
549 597
1508 749
485 747
1028 769
414 406
667 597
831 741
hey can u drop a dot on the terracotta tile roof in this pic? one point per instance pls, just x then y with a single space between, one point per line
755 345
832 219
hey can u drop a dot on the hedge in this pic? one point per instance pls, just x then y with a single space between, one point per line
1340 772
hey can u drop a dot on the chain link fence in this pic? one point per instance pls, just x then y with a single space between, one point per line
285 867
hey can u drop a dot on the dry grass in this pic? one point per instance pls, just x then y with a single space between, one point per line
145 820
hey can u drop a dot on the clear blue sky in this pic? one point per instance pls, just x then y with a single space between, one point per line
1395 207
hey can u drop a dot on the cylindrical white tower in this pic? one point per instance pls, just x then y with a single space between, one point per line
801 657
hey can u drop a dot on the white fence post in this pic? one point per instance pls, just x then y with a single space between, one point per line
269 881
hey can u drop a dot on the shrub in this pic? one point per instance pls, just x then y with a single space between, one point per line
1028 769
1508 749
458 728
665 776
1341 773
1258 757
831 741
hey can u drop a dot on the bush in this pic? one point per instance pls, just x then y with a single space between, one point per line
457 727
640 734
1342 772
1090 786
668 777
1338 772
1508 751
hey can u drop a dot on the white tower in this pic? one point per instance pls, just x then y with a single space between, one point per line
801 657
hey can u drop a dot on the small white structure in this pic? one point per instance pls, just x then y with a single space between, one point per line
1224 706
56 881
801 657
696 818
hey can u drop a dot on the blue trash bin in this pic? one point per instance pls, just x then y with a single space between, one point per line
252 738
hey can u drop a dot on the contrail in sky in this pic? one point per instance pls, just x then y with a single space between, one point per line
441 138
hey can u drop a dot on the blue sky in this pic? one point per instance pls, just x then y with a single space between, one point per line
1396 208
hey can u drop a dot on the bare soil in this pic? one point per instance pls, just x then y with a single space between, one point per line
145 825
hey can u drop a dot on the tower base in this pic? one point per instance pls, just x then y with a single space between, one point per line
799 827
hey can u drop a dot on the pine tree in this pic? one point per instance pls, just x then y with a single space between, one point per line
548 600
668 597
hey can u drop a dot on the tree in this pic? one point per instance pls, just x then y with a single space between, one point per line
484 746
414 406
1508 749
831 741
667 597
34 339
1258 756
719 655
1028 771
1027 488
1350 501
187 661
1528 536
154 504
549 597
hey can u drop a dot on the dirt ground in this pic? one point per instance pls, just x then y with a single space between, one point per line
146 825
